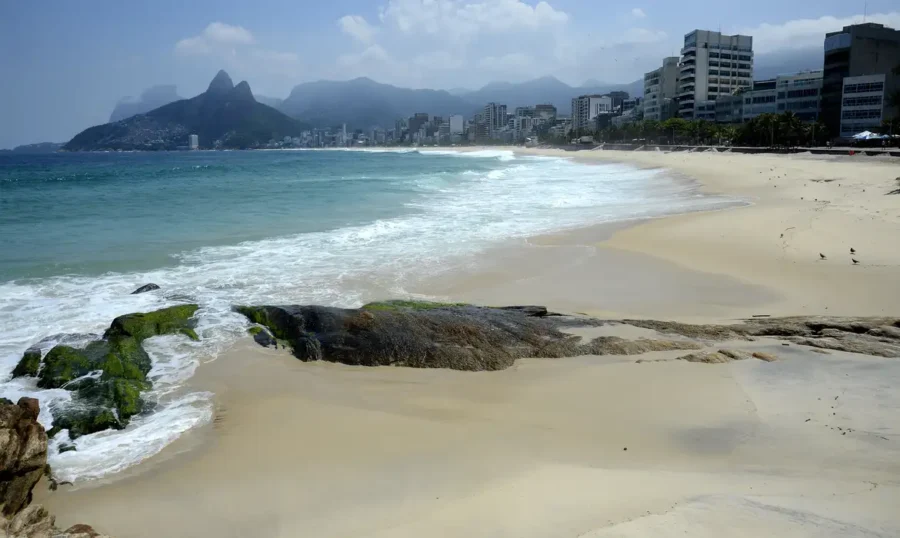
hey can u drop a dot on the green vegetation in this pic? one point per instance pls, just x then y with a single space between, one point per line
110 399
254 330
411 305
765 130
29 364
63 364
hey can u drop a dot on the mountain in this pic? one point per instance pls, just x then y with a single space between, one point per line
545 90
224 116
154 97
769 65
273 102
40 147
363 103
459 92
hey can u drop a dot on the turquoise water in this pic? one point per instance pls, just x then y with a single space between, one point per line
79 232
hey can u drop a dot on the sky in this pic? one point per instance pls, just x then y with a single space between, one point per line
65 64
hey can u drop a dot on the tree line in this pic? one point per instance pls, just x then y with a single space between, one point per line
768 130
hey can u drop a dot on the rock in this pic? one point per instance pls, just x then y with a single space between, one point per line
23 460
29 364
109 375
536 311
876 336
263 337
32 522
735 354
434 335
80 531
725 355
768 357
145 288
709 357
23 453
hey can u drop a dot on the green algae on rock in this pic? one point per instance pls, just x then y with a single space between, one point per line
107 376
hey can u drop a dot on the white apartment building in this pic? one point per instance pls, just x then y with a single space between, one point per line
862 104
457 124
194 141
711 65
494 118
587 107
660 86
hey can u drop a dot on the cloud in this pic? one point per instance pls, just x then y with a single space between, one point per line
514 62
458 21
638 13
214 37
804 33
358 28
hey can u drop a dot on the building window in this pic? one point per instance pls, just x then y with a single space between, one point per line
865 114
870 100
809 92
864 87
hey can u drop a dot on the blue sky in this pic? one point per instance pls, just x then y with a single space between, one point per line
65 64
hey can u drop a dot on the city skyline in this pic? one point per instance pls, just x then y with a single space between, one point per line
69 76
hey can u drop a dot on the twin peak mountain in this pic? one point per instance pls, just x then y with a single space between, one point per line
225 116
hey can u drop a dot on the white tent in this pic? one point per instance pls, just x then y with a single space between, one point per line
869 135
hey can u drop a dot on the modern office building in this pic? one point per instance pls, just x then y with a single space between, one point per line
761 99
545 112
800 93
494 118
863 104
585 109
660 86
194 141
858 50
416 122
711 65
457 124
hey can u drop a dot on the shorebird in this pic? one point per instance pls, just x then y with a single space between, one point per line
822 256
855 261
852 250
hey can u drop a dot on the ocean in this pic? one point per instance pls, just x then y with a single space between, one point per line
79 232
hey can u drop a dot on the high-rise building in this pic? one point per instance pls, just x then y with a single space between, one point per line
546 112
415 123
494 118
457 124
586 108
859 50
194 141
711 65
660 86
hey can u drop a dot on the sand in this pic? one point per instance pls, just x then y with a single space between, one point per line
808 445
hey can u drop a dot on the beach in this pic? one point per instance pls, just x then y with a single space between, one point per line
642 445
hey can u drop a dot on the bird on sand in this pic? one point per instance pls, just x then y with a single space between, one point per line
822 256
852 250
855 261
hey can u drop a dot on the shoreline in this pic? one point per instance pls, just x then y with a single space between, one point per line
537 450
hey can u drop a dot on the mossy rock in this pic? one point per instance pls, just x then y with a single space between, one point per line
408 305
254 330
110 399
172 320
84 421
29 364
62 365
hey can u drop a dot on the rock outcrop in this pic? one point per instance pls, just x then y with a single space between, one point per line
878 336
107 375
145 288
434 335
23 460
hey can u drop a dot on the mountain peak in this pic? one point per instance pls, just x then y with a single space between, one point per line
242 91
221 83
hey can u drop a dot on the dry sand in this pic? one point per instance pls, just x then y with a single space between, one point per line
805 446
